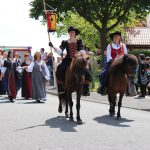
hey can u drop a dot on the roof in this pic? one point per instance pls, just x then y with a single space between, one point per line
137 36
16 47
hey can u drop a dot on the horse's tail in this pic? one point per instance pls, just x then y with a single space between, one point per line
62 102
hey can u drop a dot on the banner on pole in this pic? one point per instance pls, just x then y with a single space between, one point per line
51 21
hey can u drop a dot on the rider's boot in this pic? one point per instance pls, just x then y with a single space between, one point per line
102 90
61 89
86 90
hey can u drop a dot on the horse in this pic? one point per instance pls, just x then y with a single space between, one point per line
74 81
119 73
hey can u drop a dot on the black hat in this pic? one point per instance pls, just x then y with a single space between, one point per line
115 33
71 28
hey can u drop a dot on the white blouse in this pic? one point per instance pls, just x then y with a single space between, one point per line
30 68
18 69
115 46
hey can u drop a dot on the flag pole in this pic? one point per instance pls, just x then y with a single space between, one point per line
44 4
54 74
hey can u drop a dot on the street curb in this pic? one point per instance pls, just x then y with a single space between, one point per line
89 100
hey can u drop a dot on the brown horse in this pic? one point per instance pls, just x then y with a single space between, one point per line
74 80
120 70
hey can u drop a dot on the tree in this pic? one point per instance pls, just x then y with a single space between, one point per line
89 34
104 15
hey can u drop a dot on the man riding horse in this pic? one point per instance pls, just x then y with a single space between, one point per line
114 49
72 46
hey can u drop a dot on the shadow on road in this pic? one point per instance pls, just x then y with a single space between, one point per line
145 109
112 121
57 122
62 123
30 127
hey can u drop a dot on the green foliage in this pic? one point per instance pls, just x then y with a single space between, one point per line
89 34
100 16
98 12
138 52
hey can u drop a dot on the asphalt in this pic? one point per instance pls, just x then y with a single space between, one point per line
132 102
27 125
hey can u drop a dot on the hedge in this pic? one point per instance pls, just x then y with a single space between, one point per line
137 52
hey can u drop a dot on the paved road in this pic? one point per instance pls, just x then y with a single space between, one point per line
128 101
26 125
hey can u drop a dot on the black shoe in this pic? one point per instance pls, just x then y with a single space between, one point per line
141 96
11 99
102 91
38 101
86 93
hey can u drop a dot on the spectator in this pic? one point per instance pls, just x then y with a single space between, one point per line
148 73
142 76
49 63
43 54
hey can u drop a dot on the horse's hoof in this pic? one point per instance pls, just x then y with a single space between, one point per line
112 114
71 119
118 117
79 122
66 115
60 109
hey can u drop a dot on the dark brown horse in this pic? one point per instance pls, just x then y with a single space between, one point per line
120 71
74 80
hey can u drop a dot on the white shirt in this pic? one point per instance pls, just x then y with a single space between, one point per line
3 69
43 56
30 68
115 46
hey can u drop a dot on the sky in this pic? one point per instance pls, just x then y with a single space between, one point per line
18 29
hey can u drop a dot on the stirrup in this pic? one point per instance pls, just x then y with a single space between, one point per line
59 93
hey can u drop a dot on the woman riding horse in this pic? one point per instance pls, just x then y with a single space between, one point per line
72 46
114 49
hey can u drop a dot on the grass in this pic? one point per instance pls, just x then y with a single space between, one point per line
95 85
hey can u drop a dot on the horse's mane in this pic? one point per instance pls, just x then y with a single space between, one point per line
78 64
119 63
76 70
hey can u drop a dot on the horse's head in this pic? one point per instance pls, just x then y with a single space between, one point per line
77 68
80 64
130 63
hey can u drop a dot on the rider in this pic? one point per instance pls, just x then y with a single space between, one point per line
72 46
114 49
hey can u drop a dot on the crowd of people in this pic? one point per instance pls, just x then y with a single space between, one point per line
29 75
141 80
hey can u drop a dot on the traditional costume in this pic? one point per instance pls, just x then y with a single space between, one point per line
71 48
113 50
10 70
18 61
39 75
2 85
1 88
26 85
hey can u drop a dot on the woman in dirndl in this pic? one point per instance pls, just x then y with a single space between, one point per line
39 75
72 47
10 71
26 90
2 86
